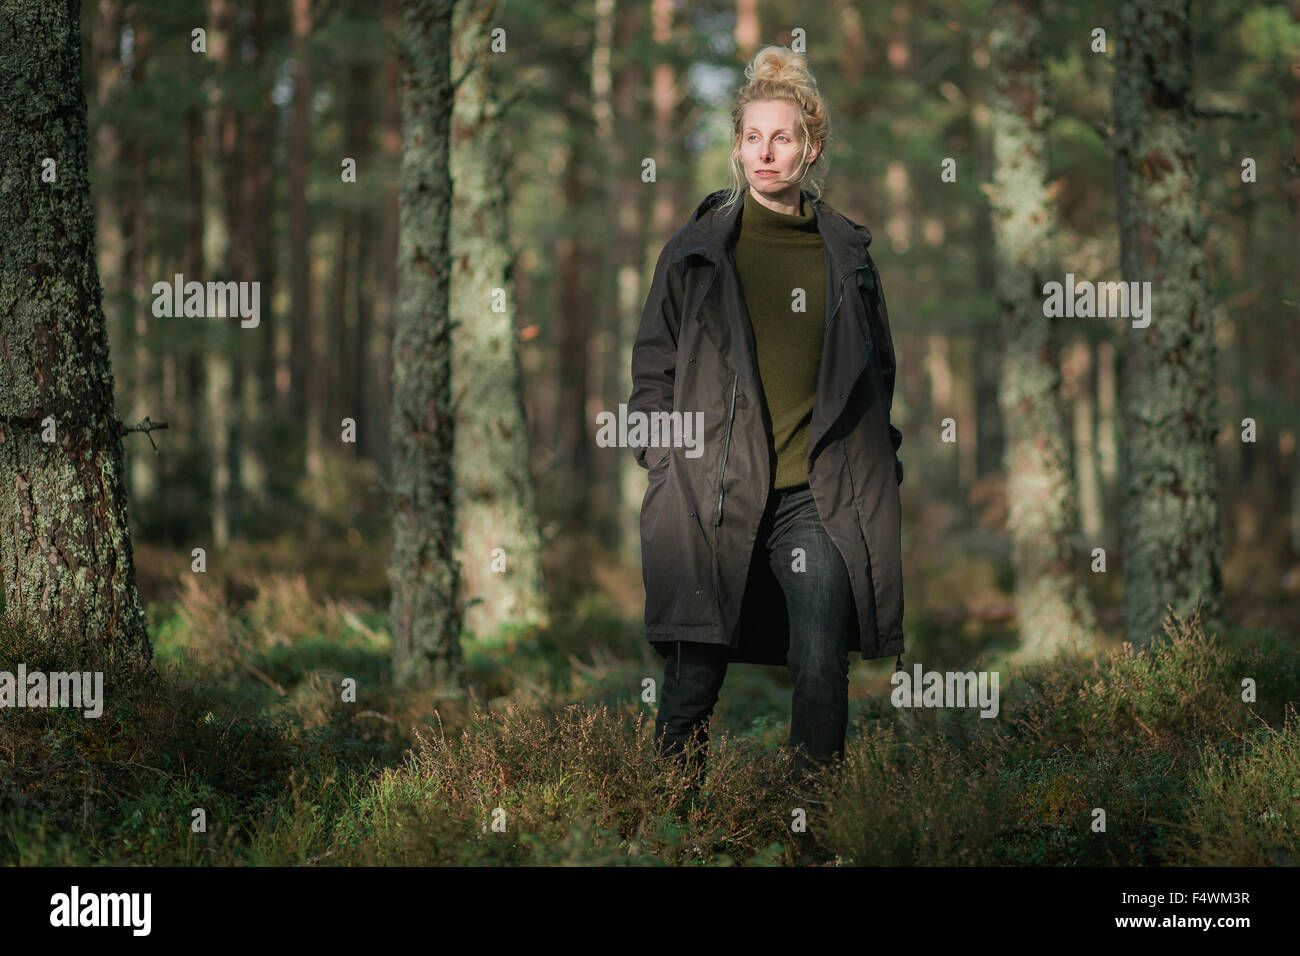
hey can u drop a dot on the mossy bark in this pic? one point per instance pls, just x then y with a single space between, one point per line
65 546
1172 545
1042 511
424 616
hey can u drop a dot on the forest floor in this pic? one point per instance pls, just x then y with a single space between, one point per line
1115 757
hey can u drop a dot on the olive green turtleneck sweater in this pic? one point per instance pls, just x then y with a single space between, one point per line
776 254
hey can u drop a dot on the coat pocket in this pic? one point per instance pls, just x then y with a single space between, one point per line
676 557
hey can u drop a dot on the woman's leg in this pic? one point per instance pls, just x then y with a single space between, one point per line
819 598
693 677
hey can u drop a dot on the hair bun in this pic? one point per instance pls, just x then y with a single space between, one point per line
780 64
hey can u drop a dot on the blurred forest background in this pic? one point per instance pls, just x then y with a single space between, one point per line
275 155
229 166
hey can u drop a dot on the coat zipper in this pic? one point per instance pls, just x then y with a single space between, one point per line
726 447
731 416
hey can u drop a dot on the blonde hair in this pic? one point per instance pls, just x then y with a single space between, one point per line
778 73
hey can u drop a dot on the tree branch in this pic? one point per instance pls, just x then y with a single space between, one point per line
1224 112
144 425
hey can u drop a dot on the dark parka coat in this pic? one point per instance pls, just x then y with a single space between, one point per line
695 351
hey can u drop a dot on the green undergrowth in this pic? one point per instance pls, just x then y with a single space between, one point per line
1129 756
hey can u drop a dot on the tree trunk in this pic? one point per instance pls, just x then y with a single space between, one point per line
390 142
496 500
424 616
1293 452
67 559
1052 608
303 368
1172 549
990 441
220 221
260 409
336 405
1104 362
747 30
121 236
361 395
145 384
604 235
1082 395
629 480
574 436
109 172
358 363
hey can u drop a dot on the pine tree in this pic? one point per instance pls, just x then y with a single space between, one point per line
424 615
1042 512
497 499
1172 550
66 554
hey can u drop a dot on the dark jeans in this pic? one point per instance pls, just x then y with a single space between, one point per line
819 601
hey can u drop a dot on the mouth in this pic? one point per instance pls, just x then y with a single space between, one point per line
766 173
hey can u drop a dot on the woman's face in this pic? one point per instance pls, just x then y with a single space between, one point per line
771 150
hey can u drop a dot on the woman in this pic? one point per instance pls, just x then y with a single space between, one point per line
777 540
